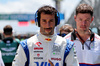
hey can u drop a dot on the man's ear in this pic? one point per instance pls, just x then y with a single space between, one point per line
92 18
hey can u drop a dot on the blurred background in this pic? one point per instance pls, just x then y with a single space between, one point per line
20 14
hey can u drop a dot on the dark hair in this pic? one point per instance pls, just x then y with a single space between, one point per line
7 30
47 10
84 8
66 27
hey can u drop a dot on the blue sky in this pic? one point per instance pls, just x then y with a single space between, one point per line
5 1
31 6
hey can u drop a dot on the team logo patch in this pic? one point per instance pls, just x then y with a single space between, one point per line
38 43
38 55
57 59
38 48
56 49
38 51
48 39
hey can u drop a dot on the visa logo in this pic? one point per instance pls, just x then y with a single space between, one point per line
45 64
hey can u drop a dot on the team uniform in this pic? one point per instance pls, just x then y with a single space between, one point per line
42 48
8 47
1 61
88 54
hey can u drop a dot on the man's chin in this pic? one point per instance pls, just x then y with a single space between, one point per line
48 33
83 29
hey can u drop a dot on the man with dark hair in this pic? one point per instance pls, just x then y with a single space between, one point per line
8 46
46 48
7 30
87 43
65 29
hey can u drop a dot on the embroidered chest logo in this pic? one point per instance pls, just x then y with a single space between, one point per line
38 46
48 39
38 43
56 49
38 55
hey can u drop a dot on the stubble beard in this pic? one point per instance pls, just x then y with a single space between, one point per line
47 33
84 31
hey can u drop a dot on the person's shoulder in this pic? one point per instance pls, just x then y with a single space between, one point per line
59 37
1 41
30 40
68 35
97 36
32 37
17 40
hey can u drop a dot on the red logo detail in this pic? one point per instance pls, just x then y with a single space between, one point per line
67 36
38 48
38 55
58 59
38 43
48 39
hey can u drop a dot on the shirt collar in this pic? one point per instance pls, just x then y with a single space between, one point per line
74 37
46 38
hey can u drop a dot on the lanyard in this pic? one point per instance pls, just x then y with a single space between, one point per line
83 42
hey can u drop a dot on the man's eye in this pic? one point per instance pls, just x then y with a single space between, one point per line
87 20
80 19
51 20
44 20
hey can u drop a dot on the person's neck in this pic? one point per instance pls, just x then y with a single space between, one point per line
84 34
45 34
6 36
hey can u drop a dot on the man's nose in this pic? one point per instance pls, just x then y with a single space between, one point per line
83 22
48 24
